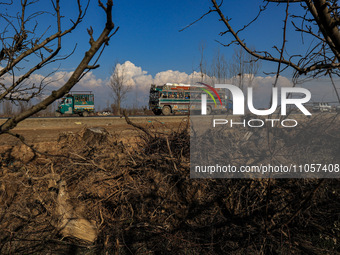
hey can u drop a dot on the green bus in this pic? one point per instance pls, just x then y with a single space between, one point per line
171 98
78 102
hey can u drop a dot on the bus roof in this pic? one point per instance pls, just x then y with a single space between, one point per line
179 86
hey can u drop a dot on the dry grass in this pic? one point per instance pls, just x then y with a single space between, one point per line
141 200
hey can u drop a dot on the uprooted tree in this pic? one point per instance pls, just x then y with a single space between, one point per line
28 46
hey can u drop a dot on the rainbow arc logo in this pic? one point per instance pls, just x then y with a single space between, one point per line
209 93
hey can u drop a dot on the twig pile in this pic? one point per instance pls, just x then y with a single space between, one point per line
141 200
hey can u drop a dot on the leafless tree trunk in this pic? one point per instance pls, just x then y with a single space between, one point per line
7 108
252 68
118 85
237 68
23 106
243 68
202 65
219 68
23 42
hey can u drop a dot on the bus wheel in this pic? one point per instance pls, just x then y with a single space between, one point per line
57 114
157 112
166 110
209 110
85 114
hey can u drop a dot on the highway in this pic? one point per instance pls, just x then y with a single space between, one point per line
108 120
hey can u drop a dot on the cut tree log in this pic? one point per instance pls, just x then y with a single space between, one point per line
70 223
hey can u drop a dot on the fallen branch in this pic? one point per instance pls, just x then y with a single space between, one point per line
128 121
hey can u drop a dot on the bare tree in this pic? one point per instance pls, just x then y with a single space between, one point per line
24 106
243 68
7 108
237 67
118 85
203 64
253 67
219 68
320 22
25 49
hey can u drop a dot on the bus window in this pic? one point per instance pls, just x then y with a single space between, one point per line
187 95
180 94
195 95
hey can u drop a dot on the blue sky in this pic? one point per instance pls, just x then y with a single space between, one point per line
149 32
154 50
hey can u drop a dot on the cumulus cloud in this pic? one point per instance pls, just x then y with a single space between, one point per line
171 76
90 81
58 79
140 81
135 76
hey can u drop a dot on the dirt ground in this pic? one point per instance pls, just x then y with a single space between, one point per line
42 130
98 194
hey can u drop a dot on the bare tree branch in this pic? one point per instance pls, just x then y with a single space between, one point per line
84 64
192 23
283 46
321 16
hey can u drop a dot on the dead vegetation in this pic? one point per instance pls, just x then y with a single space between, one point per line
102 195
313 141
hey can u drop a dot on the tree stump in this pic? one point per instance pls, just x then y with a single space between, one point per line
95 136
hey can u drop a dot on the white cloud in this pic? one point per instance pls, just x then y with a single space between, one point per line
58 79
90 81
140 82
171 76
